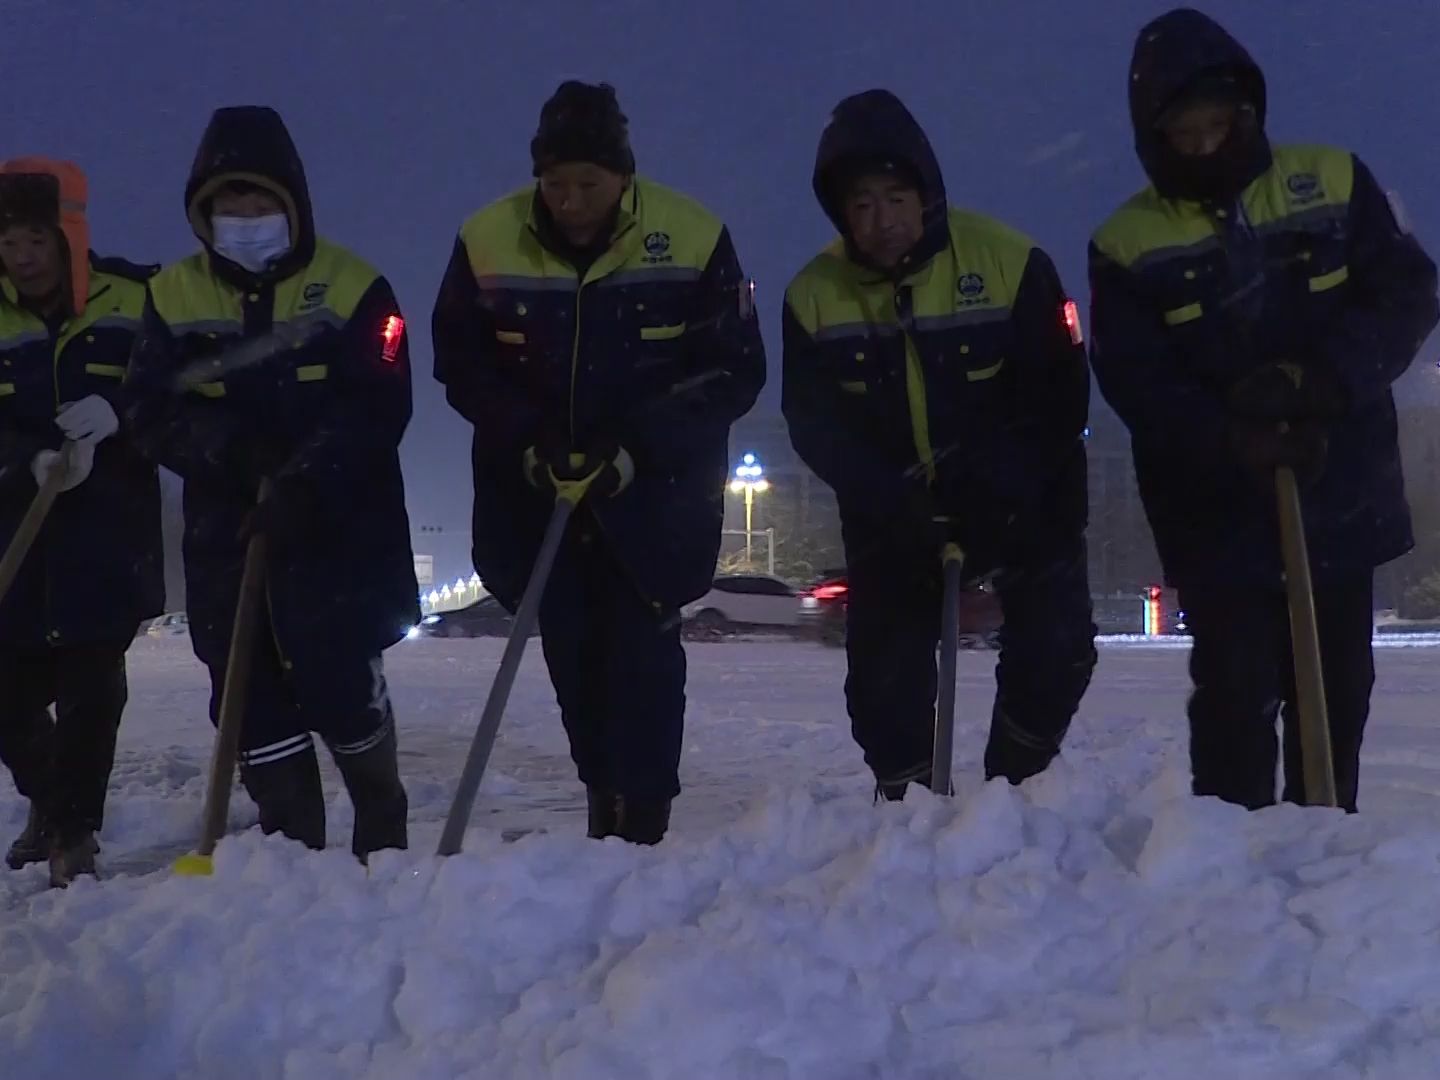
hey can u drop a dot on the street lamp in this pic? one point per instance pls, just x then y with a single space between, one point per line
749 478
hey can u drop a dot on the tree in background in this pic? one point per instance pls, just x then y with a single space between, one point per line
807 536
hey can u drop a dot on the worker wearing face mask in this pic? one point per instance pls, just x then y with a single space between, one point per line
275 355
1252 308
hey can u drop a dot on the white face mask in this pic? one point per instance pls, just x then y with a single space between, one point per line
251 242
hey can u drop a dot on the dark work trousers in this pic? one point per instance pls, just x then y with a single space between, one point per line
618 668
1243 670
63 765
346 702
1047 654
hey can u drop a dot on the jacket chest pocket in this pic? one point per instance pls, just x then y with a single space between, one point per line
1190 294
30 385
659 352
515 349
537 355
532 338
310 373
27 382
16 390
658 330
659 334
203 354
98 361
865 368
1317 263
660 344
1204 312
966 364
978 363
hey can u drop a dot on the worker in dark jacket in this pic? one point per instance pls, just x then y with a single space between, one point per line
934 377
67 321
275 355
601 315
1252 308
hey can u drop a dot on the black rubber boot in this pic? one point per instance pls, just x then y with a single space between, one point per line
31 846
604 813
372 777
289 796
642 821
892 788
69 858
1015 754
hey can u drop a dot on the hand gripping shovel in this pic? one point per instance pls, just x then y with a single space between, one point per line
200 862
1305 644
34 520
568 495
952 563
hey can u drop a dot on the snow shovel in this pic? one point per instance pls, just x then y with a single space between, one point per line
33 521
1305 644
568 494
952 563
200 862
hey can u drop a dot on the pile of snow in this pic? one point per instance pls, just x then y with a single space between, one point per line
1059 930
1095 923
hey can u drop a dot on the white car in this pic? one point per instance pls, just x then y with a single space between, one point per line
740 602
176 624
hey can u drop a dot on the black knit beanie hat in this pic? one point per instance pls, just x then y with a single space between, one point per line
581 122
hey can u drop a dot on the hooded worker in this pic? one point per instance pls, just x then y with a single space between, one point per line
934 378
1252 308
275 358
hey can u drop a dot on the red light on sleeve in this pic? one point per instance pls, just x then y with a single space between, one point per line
390 336
1070 315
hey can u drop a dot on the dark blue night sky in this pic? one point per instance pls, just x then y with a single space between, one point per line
411 115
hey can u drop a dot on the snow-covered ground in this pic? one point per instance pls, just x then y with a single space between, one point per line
1097 922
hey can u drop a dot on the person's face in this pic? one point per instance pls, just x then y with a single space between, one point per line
885 218
581 197
245 204
1199 130
33 259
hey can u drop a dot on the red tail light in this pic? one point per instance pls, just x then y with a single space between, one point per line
830 592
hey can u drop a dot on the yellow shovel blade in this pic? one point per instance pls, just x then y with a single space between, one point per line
193 865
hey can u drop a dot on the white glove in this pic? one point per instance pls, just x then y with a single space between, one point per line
82 460
90 420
